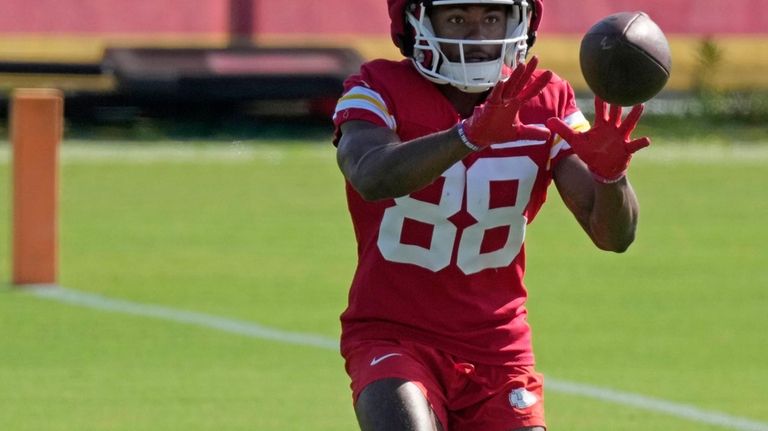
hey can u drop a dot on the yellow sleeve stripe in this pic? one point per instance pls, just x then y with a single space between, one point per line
369 100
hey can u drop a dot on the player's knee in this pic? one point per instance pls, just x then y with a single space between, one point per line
392 404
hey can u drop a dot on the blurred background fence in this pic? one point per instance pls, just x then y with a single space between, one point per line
119 59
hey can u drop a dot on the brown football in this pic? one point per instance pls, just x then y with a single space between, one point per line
625 58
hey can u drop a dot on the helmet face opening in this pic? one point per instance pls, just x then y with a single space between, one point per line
430 51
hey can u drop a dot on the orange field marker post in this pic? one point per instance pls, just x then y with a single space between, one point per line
36 127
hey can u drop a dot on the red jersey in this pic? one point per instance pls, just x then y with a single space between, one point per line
444 265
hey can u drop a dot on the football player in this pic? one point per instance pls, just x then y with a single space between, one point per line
447 156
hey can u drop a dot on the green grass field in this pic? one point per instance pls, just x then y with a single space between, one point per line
258 232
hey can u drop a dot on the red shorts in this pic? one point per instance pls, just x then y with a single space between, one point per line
464 396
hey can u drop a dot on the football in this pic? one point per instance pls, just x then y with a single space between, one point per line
625 58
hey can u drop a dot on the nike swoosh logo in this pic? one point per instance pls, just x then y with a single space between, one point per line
375 361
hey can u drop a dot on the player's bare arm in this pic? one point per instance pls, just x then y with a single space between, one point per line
593 182
607 212
379 166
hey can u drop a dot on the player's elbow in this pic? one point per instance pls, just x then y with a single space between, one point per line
618 248
616 244
370 188
370 194
370 185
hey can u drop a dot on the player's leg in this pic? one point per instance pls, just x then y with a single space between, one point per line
395 404
396 385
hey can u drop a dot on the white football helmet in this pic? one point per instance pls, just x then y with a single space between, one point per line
471 77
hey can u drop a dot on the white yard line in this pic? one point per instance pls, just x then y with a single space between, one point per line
208 321
656 405
252 330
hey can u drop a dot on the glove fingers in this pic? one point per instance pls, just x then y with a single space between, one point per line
514 79
637 144
631 121
496 93
600 111
614 115
535 87
558 126
534 61
533 133
519 78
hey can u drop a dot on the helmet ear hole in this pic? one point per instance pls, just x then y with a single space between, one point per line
401 32
405 43
536 9
408 36
531 39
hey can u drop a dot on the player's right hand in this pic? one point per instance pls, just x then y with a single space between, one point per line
607 147
496 120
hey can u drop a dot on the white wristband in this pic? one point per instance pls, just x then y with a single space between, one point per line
465 140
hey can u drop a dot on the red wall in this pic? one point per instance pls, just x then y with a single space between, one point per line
350 16
673 16
113 16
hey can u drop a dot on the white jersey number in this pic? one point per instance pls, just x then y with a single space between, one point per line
477 182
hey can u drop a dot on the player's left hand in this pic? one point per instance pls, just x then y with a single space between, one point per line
497 120
606 148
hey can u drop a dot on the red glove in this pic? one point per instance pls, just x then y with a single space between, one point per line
605 148
496 120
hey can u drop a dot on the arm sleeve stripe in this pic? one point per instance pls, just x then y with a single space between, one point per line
366 99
